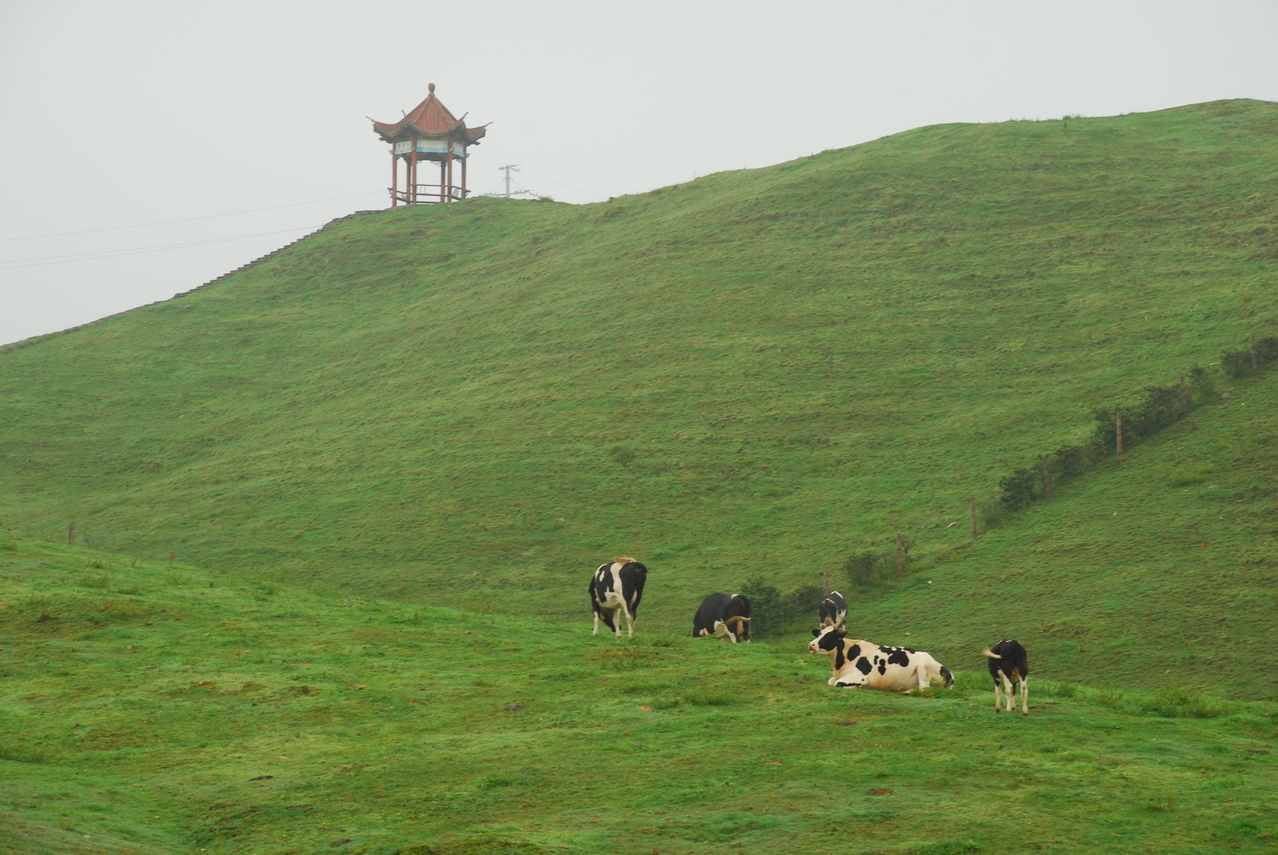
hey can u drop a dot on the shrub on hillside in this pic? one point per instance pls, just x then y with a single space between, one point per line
1202 387
1175 702
862 569
771 610
1018 489
1237 363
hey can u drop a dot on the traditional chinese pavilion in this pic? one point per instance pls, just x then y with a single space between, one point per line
429 132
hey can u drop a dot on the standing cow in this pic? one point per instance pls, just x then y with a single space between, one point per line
833 610
723 616
617 587
862 663
1008 659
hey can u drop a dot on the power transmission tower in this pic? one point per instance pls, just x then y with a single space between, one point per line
509 167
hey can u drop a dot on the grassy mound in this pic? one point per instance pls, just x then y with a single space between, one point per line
156 707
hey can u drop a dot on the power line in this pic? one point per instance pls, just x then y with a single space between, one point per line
565 186
190 219
18 263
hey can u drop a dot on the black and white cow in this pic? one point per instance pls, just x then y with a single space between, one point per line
723 616
1008 659
617 587
833 610
863 663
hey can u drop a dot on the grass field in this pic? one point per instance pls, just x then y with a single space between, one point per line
387 458
154 707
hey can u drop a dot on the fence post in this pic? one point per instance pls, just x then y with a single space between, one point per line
71 533
971 503
1184 396
1118 422
900 556
1047 477
1253 355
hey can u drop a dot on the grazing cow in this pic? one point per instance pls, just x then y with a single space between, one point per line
617 587
863 663
723 616
1008 659
833 610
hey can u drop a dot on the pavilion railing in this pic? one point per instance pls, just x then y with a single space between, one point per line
429 193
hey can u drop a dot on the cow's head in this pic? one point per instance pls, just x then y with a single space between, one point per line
827 640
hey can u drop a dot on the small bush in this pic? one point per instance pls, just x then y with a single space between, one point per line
1175 702
1202 387
863 569
771 610
765 606
1237 363
1057 689
1018 489
991 513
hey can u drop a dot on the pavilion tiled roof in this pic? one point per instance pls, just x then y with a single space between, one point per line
430 120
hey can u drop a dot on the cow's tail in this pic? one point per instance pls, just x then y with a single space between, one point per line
990 654
947 676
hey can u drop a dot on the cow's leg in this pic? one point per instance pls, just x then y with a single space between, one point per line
1025 696
616 620
630 622
998 699
1008 690
920 671
596 632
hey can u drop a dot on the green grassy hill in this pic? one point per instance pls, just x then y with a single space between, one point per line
753 375
154 707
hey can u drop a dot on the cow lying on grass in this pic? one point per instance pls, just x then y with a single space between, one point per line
617 587
863 663
723 616
1008 659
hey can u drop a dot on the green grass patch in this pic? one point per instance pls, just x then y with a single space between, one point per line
304 722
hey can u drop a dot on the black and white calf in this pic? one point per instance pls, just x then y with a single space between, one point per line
833 610
863 663
614 588
1008 659
723 616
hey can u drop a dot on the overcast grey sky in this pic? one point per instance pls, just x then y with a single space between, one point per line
114 115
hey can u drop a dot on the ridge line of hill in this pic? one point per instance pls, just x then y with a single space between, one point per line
26 342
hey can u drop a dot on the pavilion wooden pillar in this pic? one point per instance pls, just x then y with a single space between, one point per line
394 178
450 170
412 178
464 159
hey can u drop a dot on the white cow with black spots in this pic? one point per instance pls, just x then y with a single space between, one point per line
863 663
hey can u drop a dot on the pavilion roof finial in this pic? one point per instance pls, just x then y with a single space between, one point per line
430 87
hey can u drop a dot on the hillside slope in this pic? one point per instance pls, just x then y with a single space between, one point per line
756 373
1158 570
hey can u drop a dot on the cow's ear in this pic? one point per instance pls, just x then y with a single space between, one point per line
815 633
